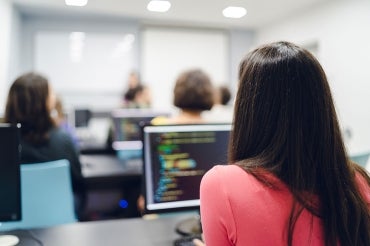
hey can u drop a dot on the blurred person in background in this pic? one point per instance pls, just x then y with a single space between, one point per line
192 95
31 102
221 111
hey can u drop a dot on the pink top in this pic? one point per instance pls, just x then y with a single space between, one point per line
237 209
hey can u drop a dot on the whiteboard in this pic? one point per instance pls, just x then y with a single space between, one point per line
87 69
166 52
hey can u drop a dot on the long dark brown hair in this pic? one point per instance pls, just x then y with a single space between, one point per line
27 104
285 122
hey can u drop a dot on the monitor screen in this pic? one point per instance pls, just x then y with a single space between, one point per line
127 123
176 158
82 117
10 194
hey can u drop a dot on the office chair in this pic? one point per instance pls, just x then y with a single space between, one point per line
46 196
361 159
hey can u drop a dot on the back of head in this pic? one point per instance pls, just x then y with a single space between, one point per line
138 97
225 95
284 110
132 92
27 104
285 122
193 91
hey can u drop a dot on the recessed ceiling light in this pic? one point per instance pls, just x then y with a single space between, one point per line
79 3
234 12
158 6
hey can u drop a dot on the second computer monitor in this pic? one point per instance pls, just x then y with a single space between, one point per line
176 158
127 127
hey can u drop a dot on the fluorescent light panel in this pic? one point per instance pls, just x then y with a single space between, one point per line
79 3
234 12
159 6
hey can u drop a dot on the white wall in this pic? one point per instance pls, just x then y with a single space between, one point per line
221 61
83 65
342 31
99 79
166 52
241 42
15 45
5 28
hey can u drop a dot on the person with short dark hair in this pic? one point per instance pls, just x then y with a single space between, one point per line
221 112
193 91
138 97
193 94
30 102
290 181
224 94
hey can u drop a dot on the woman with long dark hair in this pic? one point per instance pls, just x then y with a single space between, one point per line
31 102
290 181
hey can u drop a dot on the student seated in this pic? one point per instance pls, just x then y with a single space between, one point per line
289 181
221 112
62 122
192 95
30 102
138 97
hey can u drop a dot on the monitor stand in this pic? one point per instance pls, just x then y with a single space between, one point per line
8 240
190 226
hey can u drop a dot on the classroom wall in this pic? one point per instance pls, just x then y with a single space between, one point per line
94 85
14 68
340 31
236 43
5 36
167 51
241 42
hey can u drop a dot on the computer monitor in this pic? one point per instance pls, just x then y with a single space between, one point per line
10 191
82 117
175 159
10 184
127 127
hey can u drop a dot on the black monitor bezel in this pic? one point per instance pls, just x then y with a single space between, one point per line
16 153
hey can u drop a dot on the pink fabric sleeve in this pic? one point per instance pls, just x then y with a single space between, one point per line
364 188
216 214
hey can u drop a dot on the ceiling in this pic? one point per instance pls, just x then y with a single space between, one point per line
203 13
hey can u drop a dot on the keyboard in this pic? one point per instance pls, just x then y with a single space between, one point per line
186 240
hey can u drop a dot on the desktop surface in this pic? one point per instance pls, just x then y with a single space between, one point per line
138 232
111 181
109 165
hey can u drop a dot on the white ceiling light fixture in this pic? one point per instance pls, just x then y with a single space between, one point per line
159 6
234 12
78 3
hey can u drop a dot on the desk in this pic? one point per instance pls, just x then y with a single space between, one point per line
109 180
104 169
138 232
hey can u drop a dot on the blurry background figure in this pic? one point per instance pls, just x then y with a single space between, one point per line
133 82
193 94
221 110
61 120
31 102
138 97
